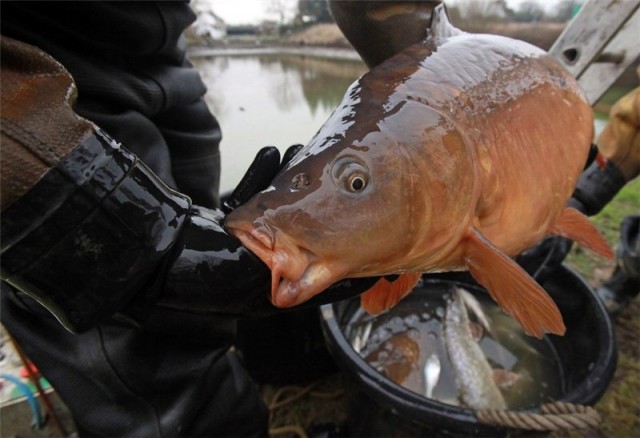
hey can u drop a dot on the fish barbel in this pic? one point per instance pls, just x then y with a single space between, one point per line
473 374
456 154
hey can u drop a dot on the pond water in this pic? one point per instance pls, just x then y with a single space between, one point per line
403 343
277 100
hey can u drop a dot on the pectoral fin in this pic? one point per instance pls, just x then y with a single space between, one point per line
386 294
512 288
576 226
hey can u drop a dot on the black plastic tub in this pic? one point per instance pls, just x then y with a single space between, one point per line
587 356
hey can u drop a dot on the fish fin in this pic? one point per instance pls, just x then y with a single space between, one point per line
574 225
440 25
385 294
512 288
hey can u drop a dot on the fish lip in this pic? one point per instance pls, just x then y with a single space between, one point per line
288 261
318 275
257 239
297 273
263 236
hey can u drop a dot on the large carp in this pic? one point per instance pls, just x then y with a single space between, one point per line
455 154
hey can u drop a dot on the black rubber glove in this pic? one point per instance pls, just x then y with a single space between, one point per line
261 172
212 272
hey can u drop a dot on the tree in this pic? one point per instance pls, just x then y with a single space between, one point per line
529 11
316 10
278 8
562 11
478 11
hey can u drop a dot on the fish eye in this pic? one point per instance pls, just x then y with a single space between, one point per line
350 175
357 183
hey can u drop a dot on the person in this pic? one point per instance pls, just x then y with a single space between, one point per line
118 277
619 143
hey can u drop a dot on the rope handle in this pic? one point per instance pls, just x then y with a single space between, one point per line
556 416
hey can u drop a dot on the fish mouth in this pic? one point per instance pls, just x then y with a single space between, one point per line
256 240
297 273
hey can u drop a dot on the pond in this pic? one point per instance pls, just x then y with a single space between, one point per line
270 99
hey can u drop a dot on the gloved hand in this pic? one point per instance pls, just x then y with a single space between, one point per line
261 172
212 272
89 231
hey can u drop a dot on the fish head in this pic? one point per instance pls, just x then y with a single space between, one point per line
355 200
324 220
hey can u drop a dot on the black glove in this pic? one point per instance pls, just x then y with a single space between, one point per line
597 185
210 271
214 273
261 172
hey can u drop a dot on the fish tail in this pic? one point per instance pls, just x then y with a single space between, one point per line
385 294
512 288
574 225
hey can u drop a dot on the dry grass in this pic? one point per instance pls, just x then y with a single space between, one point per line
319 35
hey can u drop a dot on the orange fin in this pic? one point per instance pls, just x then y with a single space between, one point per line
384 294
512 288
576 226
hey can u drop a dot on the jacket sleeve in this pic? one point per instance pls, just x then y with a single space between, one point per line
85 224
91 233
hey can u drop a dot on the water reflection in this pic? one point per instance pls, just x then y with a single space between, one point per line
275 100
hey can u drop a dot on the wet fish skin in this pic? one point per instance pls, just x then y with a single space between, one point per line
456 154
473 374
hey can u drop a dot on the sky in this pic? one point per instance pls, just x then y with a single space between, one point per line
247 11
236 12
240 11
